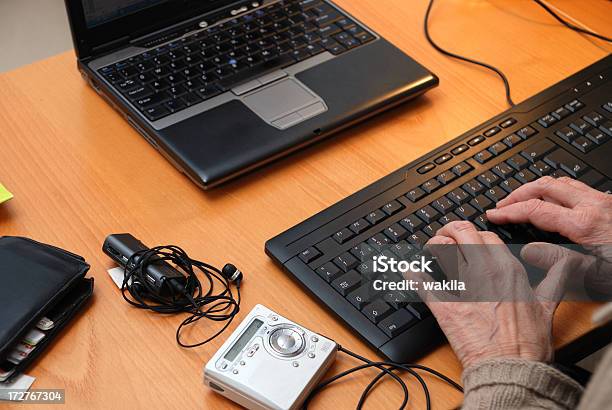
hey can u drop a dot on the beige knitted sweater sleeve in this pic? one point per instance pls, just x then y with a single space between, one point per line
522 384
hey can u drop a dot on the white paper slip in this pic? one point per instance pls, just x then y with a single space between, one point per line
45 324
33 337
21 383
117 275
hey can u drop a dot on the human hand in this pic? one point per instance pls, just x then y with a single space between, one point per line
513 321
564 205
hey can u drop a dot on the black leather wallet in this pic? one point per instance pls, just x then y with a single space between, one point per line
36 281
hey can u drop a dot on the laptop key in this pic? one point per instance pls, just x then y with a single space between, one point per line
157 112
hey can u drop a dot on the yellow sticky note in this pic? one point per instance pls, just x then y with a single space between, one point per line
5 195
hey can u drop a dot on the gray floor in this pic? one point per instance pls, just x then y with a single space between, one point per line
31 30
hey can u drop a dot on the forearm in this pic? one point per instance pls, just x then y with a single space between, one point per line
518 384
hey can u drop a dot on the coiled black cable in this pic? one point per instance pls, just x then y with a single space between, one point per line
215 301
387 368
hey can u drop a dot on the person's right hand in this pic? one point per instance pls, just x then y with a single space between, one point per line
565 206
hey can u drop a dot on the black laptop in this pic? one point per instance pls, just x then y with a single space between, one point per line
221 87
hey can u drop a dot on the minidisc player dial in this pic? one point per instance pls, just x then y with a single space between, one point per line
287 342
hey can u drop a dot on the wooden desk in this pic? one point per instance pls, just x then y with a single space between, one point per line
79 172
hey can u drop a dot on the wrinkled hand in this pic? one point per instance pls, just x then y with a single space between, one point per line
563 205
515 321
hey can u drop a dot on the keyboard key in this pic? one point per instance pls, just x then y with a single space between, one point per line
482 203
466 212
508 123
157 112
359 226
476 140
566 161
443 158
362 296
443 205
547 120
346 262
458 196
503 170
594 118
419 239
446 177
583 144
538 150
496 194
560 113
379 242
518 162
377 310
460 149
403 250
473 187
607 106
428 214
526 132
462 168
606 127
431 229
426 168
488 179
592 178
446 219
397 322
567 134
363 252
605 187
412 223
343 235
347 283
483 156
512 140
431 185
491 132
392 208
309 255
525 176
419 309
396 233
580 126
574 105
498 148
482 222
510 185
329 272
597 136
376 216
152 100
415 194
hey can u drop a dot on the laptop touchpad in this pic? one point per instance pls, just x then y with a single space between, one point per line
285 103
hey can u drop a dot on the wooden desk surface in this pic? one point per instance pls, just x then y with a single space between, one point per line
79 173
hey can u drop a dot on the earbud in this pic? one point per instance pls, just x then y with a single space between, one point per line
232 273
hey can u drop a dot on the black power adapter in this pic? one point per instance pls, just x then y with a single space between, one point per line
162 278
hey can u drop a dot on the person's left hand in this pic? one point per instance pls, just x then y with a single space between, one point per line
515 321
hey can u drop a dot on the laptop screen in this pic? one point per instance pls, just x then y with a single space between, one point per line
98 12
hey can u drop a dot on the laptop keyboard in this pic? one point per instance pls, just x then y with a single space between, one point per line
332 253
185 72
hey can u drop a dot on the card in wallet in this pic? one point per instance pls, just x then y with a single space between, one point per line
37 281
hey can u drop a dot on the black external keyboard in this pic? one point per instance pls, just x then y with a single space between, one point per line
563 131
179 74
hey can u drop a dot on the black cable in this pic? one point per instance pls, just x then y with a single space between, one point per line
466 59
387 368
570 25
214 304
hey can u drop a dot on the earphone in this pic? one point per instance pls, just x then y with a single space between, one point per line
186 294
